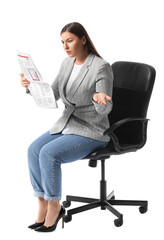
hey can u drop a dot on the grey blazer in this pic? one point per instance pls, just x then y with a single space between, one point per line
82 115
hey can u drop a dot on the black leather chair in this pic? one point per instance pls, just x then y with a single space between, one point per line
133 84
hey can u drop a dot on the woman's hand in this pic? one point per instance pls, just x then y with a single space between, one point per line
101 98
24 81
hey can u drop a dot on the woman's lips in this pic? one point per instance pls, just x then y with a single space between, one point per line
68 52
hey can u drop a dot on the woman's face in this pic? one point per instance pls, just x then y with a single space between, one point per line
72 44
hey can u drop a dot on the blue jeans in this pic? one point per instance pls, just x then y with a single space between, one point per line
48 152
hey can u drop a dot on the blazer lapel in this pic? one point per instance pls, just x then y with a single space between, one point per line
68 70
78 80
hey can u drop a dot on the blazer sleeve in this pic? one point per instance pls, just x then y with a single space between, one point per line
104 84
55 84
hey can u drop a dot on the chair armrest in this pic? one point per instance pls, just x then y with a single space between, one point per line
121 122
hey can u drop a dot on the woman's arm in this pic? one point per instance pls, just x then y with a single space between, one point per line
55 87
56 82
102 98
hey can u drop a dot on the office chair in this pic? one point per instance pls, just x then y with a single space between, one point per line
133 84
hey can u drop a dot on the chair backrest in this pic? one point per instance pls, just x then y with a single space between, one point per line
133 84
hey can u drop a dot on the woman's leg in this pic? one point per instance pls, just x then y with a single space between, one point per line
33 161
67 148
42 211
34 171
53 209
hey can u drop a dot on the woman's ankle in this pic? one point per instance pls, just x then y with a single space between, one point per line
42 211
54 205
53 210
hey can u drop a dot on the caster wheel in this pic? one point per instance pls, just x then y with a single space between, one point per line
118 222
143 209
66 204
67 218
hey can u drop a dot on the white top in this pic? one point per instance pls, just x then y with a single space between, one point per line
75 71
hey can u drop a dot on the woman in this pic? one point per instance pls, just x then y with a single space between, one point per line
84 83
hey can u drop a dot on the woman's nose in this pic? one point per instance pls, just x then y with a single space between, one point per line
66 46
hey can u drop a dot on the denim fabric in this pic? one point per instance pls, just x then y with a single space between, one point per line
48 152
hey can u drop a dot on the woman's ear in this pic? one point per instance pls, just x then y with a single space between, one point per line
84 40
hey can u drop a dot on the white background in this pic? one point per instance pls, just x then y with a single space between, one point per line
121 30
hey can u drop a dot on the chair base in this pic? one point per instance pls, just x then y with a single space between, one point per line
106 204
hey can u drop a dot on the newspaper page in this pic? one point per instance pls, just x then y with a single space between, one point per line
41 92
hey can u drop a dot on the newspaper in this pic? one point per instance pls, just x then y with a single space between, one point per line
41 92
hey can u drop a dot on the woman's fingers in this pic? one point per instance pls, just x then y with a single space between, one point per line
107 97
24 81
102 102
101 98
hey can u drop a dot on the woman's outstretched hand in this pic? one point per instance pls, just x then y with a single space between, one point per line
24 81
101 98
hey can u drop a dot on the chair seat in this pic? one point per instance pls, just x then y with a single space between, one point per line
110 150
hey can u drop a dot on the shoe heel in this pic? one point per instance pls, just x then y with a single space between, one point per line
62 222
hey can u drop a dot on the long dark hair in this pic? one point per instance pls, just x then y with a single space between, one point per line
77 29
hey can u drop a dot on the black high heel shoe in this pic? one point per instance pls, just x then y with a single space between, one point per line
53 227
36 225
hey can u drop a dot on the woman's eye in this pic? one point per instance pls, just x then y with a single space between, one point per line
69 41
